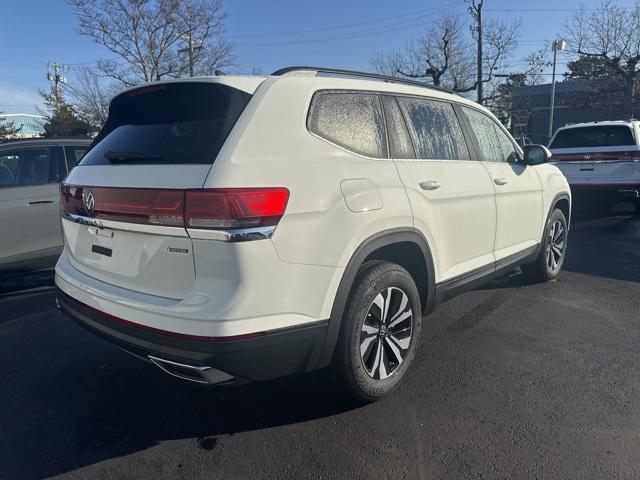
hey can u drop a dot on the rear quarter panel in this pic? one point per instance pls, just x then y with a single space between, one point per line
271 146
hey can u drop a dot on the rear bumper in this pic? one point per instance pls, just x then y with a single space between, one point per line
265 356
606 190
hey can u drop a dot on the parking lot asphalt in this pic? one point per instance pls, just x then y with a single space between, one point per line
513 380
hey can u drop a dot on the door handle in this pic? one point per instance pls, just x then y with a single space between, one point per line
40 202
500 181
430 185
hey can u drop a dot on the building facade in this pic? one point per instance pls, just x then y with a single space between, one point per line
30 125
532 105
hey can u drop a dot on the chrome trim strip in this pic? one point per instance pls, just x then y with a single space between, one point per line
126 226
236 235
203 374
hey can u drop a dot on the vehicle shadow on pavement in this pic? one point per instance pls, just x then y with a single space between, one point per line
93 402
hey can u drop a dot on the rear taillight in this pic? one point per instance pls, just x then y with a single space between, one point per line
132 205
229 208
225 208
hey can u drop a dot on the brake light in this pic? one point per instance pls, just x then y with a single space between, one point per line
132 205
225 208
235 207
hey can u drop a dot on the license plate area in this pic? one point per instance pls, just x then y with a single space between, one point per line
107 252
102 241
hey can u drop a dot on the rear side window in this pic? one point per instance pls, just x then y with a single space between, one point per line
400 145
495 145
26 167
597 136
174 123
74 154
352 120
436 133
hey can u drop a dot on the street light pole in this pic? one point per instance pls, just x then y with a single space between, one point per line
556 45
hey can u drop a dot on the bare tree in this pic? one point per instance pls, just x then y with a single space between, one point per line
155 39
90 95
611 33
445 54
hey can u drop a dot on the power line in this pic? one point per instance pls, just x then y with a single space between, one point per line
546 10
344 36
347 25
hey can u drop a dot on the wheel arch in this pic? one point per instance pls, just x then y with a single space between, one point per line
405 246
563 202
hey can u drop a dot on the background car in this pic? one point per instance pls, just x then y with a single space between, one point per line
601 161
30 171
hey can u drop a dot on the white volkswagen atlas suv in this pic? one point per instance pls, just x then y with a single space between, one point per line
601 161
232 229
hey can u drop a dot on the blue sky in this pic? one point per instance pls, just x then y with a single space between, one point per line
34 31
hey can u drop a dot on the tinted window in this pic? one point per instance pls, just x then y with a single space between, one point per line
74 155
599 136
495 145
400 145
27 167
175 123
436 133
351 120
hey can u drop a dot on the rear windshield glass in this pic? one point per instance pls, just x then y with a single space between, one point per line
600 136
175 123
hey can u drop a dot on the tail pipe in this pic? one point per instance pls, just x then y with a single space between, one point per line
193 373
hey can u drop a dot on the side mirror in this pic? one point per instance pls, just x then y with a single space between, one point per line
536 154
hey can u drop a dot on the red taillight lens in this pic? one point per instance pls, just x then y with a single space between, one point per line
225 208
133 205
156 207
235 207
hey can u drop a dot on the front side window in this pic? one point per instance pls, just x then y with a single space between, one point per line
27 167
351 120
495 145
435 130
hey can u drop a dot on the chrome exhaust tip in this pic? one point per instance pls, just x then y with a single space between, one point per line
192 373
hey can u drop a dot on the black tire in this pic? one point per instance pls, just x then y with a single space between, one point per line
549 262
357 372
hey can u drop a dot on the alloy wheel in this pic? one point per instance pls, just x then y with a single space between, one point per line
555 245
386 331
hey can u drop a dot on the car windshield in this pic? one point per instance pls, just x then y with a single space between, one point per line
597 136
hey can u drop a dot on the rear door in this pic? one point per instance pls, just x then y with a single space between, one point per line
451 195
595 154
518 189
124 203
29 209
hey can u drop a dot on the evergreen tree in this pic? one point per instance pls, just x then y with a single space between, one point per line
62 119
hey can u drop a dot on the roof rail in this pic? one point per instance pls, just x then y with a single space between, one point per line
354 73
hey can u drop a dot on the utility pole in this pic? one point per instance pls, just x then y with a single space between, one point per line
478 9
190 51
555 46
57 78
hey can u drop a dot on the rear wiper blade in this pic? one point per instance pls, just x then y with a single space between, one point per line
132 157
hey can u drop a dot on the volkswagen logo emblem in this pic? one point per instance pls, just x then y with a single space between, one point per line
587 156
89 202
